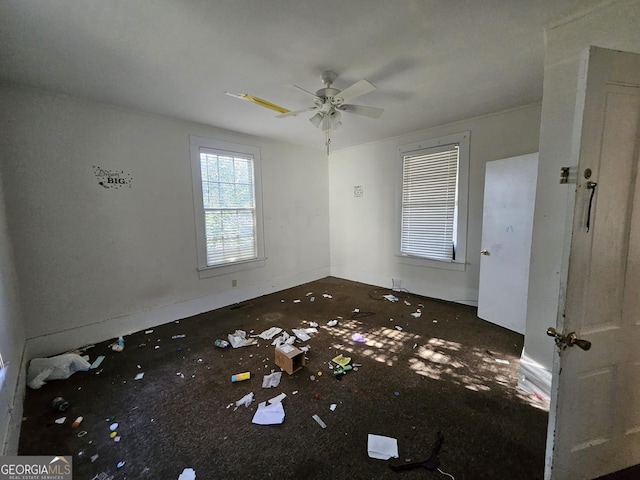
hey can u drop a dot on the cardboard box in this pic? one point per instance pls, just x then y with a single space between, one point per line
289 358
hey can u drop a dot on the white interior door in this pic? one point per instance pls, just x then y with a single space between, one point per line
507 223
594 421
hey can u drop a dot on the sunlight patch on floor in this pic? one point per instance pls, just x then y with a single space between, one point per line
436 358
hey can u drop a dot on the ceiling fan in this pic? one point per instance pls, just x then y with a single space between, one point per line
328 103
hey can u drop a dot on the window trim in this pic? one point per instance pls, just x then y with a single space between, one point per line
204 270
462 139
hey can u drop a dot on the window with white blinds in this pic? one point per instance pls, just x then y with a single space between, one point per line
228 193
429 199
226 179
433 191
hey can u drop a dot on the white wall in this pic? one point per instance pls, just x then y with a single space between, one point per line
363 230
11 342
614 25
94 263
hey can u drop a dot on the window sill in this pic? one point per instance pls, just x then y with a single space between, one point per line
426 262
214 271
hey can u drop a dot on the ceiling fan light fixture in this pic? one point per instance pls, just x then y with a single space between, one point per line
317 119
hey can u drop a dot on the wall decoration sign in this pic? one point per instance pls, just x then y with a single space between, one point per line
112 178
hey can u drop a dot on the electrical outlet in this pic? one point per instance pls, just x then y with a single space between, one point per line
234 283
396 284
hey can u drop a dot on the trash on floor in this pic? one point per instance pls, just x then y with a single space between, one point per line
139 376
432 463
278 398
222 344
59 404
238 377
60 420
301 334
504 362
320 422
333 407
272 380
417 313
187 474
96 363
289 358
381 447
332 323
246 400
391 298
341 360
118 345
269 414
54 368
326 295
239 339
269 334
357 337
77 422
175 337
120 464
284 339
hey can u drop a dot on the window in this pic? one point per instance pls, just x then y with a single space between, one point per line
433 213
227 199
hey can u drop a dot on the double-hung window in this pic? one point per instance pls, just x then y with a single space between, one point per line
433 213
227 199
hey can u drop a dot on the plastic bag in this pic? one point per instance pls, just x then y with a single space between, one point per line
54 368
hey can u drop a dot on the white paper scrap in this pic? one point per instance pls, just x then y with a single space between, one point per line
313 324
320 422
504 362
301 334
381 447
246 400
278 398
139 376
187 474
272 380
269 334
326 295
269 414
60 420
333 407
332 323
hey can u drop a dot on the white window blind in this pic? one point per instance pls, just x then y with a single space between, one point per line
429 202
229 201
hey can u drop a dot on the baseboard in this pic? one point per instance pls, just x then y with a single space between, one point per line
534 378
59 342
418 287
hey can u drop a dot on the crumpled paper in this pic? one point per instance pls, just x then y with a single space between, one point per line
272 380
246 400
54 368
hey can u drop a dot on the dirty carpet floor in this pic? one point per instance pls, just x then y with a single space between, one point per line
444 371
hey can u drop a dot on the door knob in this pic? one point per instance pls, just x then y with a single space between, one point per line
484 252
569 340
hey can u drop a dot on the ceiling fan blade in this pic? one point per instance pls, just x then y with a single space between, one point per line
371 112
259 101
306 91
359 88
293 114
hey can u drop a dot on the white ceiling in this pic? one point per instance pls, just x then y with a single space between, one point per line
432 61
